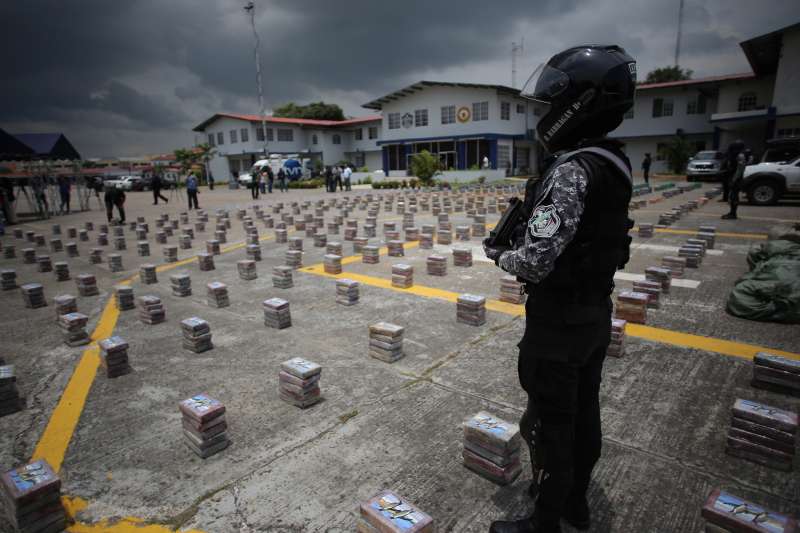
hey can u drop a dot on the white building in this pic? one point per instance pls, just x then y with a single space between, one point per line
713 112
463 123
239 141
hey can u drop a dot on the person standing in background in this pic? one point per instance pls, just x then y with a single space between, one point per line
254 186
346 173
743 159
337 177
210 182
646 167
328 179
114 196
282 180
64 193
156 185
191 190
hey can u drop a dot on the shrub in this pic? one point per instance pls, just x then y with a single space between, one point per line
424 165
474 167
386 185
677 154
367 180
363 169
306 184
481 179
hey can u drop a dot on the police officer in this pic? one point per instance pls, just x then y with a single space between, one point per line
575 239
743 158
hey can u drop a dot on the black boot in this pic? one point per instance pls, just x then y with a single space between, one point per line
576 513
526 525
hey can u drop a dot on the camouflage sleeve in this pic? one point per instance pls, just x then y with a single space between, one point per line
551 227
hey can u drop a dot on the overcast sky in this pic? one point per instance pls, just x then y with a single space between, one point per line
130 77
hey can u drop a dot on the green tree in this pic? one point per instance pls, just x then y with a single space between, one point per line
205 153
314 110
672 73
424 165
677 154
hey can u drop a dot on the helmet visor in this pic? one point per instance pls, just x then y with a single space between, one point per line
545 84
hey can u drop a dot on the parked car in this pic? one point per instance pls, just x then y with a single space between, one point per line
127 183
245 179
767 182
707 164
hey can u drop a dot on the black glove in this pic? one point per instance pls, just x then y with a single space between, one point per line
492 253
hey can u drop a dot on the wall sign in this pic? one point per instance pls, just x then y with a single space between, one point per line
463 114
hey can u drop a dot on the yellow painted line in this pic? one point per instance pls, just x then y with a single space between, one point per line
755 236
717 215
129 524
665 336
56 437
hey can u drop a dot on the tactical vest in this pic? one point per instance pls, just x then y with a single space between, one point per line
583 276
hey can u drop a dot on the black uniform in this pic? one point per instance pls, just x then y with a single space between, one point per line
576 239
115 197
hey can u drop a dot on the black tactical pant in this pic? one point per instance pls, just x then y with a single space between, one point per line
563 407
733 199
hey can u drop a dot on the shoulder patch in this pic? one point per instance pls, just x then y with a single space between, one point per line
544 221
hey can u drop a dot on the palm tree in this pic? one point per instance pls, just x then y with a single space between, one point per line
205 153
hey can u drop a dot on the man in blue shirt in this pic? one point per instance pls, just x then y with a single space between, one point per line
191 190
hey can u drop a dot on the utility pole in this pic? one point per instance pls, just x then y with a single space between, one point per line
678 39
515 49
250 8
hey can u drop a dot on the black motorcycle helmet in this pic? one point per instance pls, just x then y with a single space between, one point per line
581 93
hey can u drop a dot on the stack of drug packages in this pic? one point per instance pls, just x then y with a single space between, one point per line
73 327
632 306
33 295
217 294
151 310
282 277
181 284
726 513
462 257
646 230
762 434
8 279
124 297
332 264
247 269
114 356
347 291
196 335
389 513
776 373
492 448
65 303
31 496
436 265
471 309
511 290
402 276
86 285
276 313
10 400
147 274
204 425
298 382
205 261
386 342
616 347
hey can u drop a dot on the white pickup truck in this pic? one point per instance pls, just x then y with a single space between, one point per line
766 182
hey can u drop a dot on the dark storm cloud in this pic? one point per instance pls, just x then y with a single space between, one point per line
136 75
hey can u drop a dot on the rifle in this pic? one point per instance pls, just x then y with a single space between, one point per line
503 235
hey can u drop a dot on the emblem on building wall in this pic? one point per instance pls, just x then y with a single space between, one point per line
408 120
463 114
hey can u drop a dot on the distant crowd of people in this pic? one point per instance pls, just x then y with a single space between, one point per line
338 176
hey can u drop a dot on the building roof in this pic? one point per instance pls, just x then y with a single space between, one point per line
378 103
697 81
12 148
764 51
53 145
283 120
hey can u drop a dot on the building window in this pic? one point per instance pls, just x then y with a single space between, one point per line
503 156
233 136
270 135
259 134
285 135
373 132
629 113
394 121
211 139
480 111
448 114
747 101
336 139
359 134
521 109
220 138
662 107
245 135
505 111
420 117
358 159
696 107
314 139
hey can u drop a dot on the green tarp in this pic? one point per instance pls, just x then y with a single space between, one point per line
770 292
